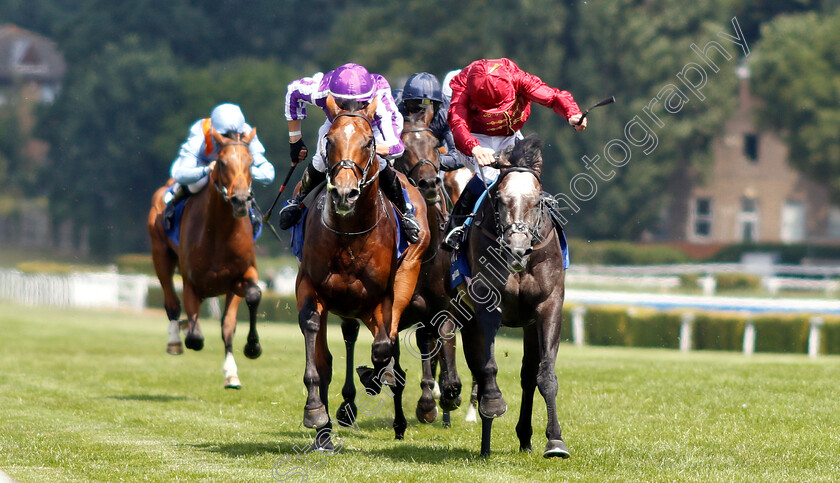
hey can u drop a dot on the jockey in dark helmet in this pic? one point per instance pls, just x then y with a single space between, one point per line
352 87
420 90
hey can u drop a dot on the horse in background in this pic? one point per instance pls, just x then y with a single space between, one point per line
430 303
517 260
349 267
214 253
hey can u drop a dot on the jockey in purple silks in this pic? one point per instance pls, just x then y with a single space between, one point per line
353 88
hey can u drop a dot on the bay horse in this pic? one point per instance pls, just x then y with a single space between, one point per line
430 303
214 253
349 267
515 254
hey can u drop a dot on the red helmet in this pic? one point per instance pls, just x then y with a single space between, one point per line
489 85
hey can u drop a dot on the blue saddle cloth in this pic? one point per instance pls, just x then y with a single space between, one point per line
298 232
459 270
175 233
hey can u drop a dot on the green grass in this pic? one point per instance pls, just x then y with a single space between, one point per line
92 396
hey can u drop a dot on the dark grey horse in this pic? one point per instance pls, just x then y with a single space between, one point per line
514 251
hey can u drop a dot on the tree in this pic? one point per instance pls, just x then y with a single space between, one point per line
796 70
101 132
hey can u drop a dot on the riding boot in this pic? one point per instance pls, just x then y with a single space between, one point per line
177 194
290 215
392 188
462 210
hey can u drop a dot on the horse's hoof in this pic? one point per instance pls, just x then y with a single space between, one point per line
492 407
233 382
450 399
194 343
556 448
525 449
368 380
175 348
346 415
426 416
252 351
315 418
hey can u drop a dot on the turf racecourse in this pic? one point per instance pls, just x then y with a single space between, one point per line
92 396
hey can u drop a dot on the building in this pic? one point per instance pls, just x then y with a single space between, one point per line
31 68
750 193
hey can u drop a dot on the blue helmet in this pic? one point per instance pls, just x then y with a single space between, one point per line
422 85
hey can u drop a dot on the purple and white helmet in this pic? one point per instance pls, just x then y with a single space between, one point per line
352 82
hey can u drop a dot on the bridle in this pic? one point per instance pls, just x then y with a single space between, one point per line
225 190
519 225
360 173
421 161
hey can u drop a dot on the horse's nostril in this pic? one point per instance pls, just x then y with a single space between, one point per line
438 182
354 193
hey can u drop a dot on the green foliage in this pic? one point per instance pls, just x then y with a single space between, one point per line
623 253
737 281
782 334
796 69
793 253
102 137
130 263
718 332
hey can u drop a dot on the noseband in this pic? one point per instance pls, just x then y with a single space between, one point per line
360 173
519 225
224 190
421 161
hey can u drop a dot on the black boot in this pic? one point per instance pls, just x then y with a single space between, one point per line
290 215
455 225
178 194
392 188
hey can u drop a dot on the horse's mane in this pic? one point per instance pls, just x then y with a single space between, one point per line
525 153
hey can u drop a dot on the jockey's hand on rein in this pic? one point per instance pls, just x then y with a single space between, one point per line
297 151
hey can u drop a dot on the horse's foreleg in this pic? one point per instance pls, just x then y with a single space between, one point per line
192 303
490 400
253 295
400 424
347 412
450 395
426 411
323 364
549 315
528 380
310 318
381 352
229 369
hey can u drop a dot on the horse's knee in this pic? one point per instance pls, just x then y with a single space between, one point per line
381 352
309 320
547 381
253 294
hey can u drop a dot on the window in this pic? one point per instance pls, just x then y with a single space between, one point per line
794 227
748 220
701 218
751 147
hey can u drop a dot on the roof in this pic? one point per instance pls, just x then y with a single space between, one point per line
25 54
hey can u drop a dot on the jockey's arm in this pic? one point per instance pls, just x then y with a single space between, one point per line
188 167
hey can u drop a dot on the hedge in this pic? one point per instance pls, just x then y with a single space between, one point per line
611 326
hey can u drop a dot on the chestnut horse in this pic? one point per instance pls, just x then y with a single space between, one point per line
349 267
517 260
430 305
214 254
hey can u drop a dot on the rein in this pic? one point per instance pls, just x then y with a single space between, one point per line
518 226
422 161
382 214
360 173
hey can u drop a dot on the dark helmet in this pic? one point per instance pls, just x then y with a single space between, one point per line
422 85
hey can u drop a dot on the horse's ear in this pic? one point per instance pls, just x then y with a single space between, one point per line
428 115
220 140
332 107
370 110
251 135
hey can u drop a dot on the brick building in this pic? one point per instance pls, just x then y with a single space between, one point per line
750 193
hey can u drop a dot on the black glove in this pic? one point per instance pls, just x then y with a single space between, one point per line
295 149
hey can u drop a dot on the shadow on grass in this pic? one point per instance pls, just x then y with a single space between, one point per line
148 397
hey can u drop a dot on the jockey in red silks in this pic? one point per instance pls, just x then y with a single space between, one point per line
491 100
353 88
